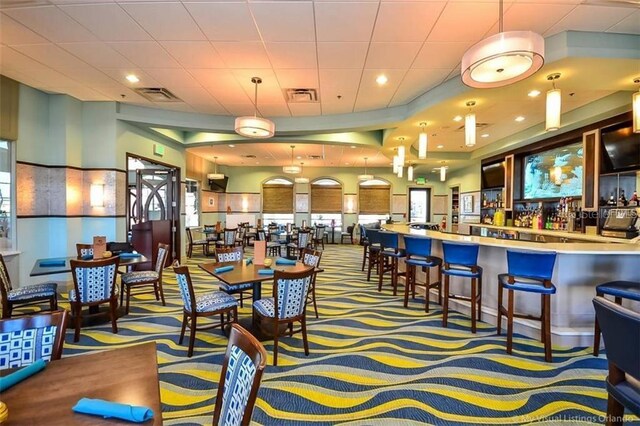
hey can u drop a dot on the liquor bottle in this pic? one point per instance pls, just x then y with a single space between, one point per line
622 200
484 200
612 200
634 199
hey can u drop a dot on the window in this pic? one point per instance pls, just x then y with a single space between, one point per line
278 218
372 218
7 219
277 197
375 197
326 202
192 203
326 218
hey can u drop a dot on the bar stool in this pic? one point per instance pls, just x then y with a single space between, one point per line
619 290
389 255
418 250
373 237
461 260
530 272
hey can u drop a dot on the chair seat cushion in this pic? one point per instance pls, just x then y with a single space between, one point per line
200 242
139 277
72 293
214 301
392 253
625 289
265 307
38 291
235 288
273 244
526 284
428 262
462 271
626 394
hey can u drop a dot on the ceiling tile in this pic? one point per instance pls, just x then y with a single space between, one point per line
373 96
337 107
107 21
222 85
274 110
165 21
392 55
345 21
269 90
224 21
339 82
284 21
416 82
194 54
591 18
440 54
51 22
305 78
301 110
464 21
406 21
12 32
629 25
15 60
89 77
197 96
292 55
120 74
97 54
50 55
145 54
248 54
342 55
533 17
173 77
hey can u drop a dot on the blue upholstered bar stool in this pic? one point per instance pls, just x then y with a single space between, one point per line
418 251
373 238
619 290
530 272
461 260
390 254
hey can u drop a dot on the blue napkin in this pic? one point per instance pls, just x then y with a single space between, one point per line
108 409
52 263
16 377
265 271
129 255
248 261
87 257
283 261
223 269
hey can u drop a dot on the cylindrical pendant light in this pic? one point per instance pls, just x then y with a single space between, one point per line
401 152
396 163
400 170
470 126
422 143
410 173
443 173
636 109
554 105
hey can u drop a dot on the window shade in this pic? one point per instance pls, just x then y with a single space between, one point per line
8 109
277 198
374 199
326 199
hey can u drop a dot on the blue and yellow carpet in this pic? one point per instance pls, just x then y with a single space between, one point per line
372 361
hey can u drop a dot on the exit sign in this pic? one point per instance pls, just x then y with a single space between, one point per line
421 181
158 150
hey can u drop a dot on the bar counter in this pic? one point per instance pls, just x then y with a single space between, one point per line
579 268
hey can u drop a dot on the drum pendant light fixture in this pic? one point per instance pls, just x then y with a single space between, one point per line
255 127
422 142
215 175
502 59
292 169
365 176
301 179
554 105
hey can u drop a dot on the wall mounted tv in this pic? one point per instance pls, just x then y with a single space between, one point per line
493 175
554 173
219 185
620 151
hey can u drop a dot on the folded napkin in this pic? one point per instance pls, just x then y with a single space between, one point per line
52 263
248 261
265 271
222 269
16 377
283 261
129 255
87 257
108 409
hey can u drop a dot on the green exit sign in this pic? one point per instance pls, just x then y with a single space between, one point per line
421 181
158 150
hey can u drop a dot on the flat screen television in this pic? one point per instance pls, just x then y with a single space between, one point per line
554 173
219 185
620 149
493 175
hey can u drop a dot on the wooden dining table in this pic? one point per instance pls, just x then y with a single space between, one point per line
39 270
126 375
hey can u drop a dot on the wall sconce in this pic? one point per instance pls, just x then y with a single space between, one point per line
96 195
350 204
245 205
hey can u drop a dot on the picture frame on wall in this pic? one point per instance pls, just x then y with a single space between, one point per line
467 203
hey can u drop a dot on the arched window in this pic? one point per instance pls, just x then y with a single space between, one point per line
326 202
374 199
277 201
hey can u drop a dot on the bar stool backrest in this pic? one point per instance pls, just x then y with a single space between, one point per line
531 265
460 254
417 246
388 240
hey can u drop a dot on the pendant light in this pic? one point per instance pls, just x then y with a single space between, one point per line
401 150
396 161
215 175
636 108
422 142
365 176
443 172
410 173
292 169
554 105
502 59
470 126
255 127
400 170
301 179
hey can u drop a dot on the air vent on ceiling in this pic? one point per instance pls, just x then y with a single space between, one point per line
300 96
478 126
249 156
157 94
315 157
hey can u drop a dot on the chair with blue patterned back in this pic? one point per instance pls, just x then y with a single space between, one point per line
303 241
84 251
240 377
27 339
94 283
312 257
202 305
286 306
234 255
27 295
142 279
228 238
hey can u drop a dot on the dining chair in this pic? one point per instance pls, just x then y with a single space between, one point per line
203 305
141 279
318 236
191 243
240 377
348 234
312 257
28 295
621 334
234 255
94 283
274 246
229 238
84 251
241 235
303 241
286 306
28 339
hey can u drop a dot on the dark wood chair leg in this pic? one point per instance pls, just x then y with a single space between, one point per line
480 298
192 335
305 342
510 297
440 279
615 412
473 304
364 256
547 329
53 303
122 290
161 293
128 289
407 285
499 319
380 272
427 291
78 321
275 345
183 328
445 302
394 275
241 300
596 339
313 295
542 316
113 305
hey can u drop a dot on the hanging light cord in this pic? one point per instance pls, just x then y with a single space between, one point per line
500 23
255 99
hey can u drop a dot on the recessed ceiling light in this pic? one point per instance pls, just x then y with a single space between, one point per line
457 118
132 78
232 146
519 118
382 79
353 146
299 157
440 146
533 93
484 135
346 164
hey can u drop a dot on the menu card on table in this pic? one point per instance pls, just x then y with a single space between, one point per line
99 246
259 252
